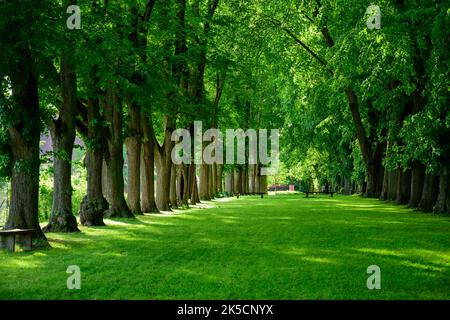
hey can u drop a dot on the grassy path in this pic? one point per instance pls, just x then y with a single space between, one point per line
279 247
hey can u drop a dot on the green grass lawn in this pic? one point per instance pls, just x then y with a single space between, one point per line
279 247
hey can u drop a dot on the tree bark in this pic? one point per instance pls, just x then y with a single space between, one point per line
441 205
229 183
94 204
204 183
403 187
163 184
173 188
195 196
62 132
237 182
164 166
106 187
417 181
219 178
212 182
257 178
384 190
114 157
191 182
366 150
393 181
263 184
215 187
183 185
133 145
429 193
148 160
23 139
251 169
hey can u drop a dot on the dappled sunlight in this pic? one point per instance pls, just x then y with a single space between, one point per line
318 260
241 248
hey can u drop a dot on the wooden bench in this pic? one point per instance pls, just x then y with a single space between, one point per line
318 192
23 237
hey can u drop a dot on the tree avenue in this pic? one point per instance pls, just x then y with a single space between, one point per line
361 103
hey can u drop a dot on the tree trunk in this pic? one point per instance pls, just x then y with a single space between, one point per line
347 186
229 183
163 184
257 178
215 188
364 145
237 181
417 181
133 145
212 182
195 197
193 187
106 187
403 187
173 188
441 206
384 190
164 166
63 136
204 182
114 158
447 200
23 139
251 169
184 184
220 178
245 179
393 181
429 193
94 204
263 184
148 161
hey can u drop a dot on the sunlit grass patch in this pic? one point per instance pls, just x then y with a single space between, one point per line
279 247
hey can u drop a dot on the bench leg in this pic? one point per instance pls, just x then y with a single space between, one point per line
8 242
262 195
24 241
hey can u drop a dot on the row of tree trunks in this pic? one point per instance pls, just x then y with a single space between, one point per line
238 181
416 188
